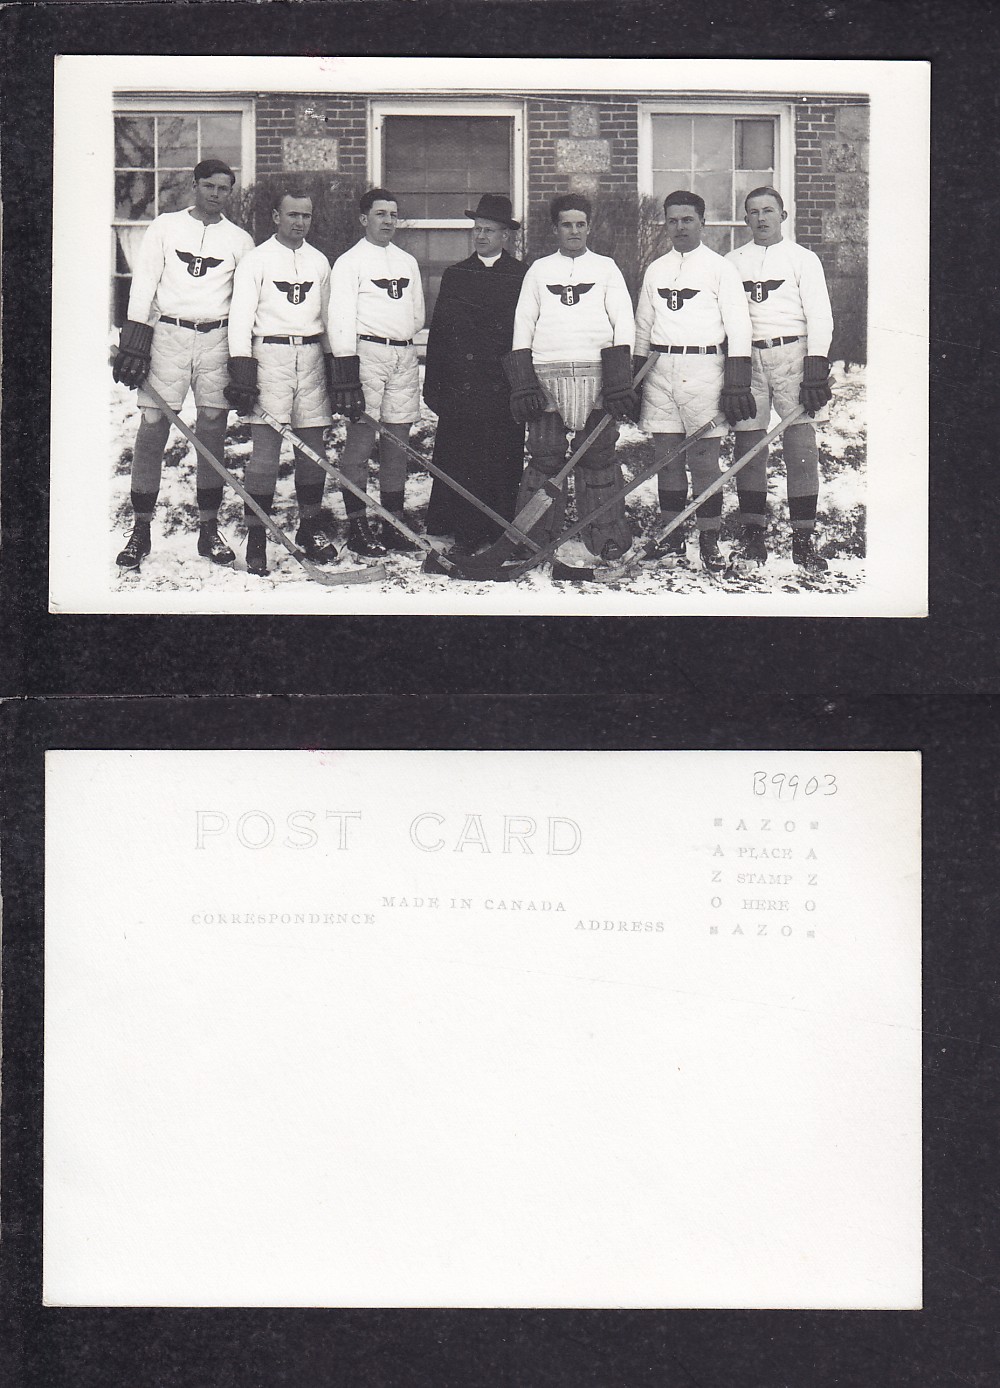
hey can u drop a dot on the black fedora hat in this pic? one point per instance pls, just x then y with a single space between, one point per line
495 208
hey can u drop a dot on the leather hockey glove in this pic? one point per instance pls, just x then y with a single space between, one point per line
815 390
527 399
131 364
620 399
241 392
737 398
343 376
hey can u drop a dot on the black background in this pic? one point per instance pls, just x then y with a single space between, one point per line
539 682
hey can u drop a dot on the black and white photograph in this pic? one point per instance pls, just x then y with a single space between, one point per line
489 336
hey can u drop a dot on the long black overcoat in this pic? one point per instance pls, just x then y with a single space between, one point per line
477 441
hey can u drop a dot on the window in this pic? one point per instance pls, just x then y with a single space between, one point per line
157 145
439 159
720 154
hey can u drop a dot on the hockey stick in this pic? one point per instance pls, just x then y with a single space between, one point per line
660 533
366 575
506 526
536 506
420 541
471 568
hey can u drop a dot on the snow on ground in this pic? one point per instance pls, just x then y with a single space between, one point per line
175 566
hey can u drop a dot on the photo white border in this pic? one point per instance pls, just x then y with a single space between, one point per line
898 320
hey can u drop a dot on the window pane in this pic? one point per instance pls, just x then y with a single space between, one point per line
741 235
744 183
671 142
718 239
713 142
175 191
134 197
668 181
436 164
133 142
717 190
177 138
220 138
434 251
754 144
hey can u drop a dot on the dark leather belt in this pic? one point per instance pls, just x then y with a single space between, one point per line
773 341
198 327
385 341
295 341
683 351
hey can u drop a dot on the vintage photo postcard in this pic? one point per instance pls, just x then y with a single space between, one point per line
482 1029
487 336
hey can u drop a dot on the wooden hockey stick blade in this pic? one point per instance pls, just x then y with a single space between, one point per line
318 575
508 572
535 508
289 433
430 466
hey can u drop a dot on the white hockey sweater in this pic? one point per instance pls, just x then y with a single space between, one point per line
376 290
185 268
786 292
692 300
572 307
279 292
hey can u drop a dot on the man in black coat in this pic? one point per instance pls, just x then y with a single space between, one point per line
477 442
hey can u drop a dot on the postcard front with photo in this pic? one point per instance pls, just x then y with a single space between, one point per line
489 337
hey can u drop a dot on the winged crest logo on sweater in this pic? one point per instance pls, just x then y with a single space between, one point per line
394 288
676 298
759 289
294 293
198 265
569 294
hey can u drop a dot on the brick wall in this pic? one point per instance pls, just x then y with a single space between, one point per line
831 208
577 144
313 134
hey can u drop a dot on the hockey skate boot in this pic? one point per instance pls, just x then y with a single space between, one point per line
315 539
395 540
137 546
361 541
804 553
752 549
212 546
257 551
671 551
711 555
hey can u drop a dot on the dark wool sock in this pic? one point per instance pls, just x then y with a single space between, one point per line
712 508
309 496
392 501
143 505
209 500
353 505
672 502
802 512
752 505
264 500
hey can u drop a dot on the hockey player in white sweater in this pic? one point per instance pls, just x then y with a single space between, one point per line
376 310
692 312
792 330
175 337
278 345
571 361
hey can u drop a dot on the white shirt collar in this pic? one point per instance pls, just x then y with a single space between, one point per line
490 260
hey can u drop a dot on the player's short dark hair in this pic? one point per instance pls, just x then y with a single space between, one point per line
287 190
374 195
683 197
208 168
569 202
765 192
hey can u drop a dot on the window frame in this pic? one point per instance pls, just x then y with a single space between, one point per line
784 149
378 111
135 104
